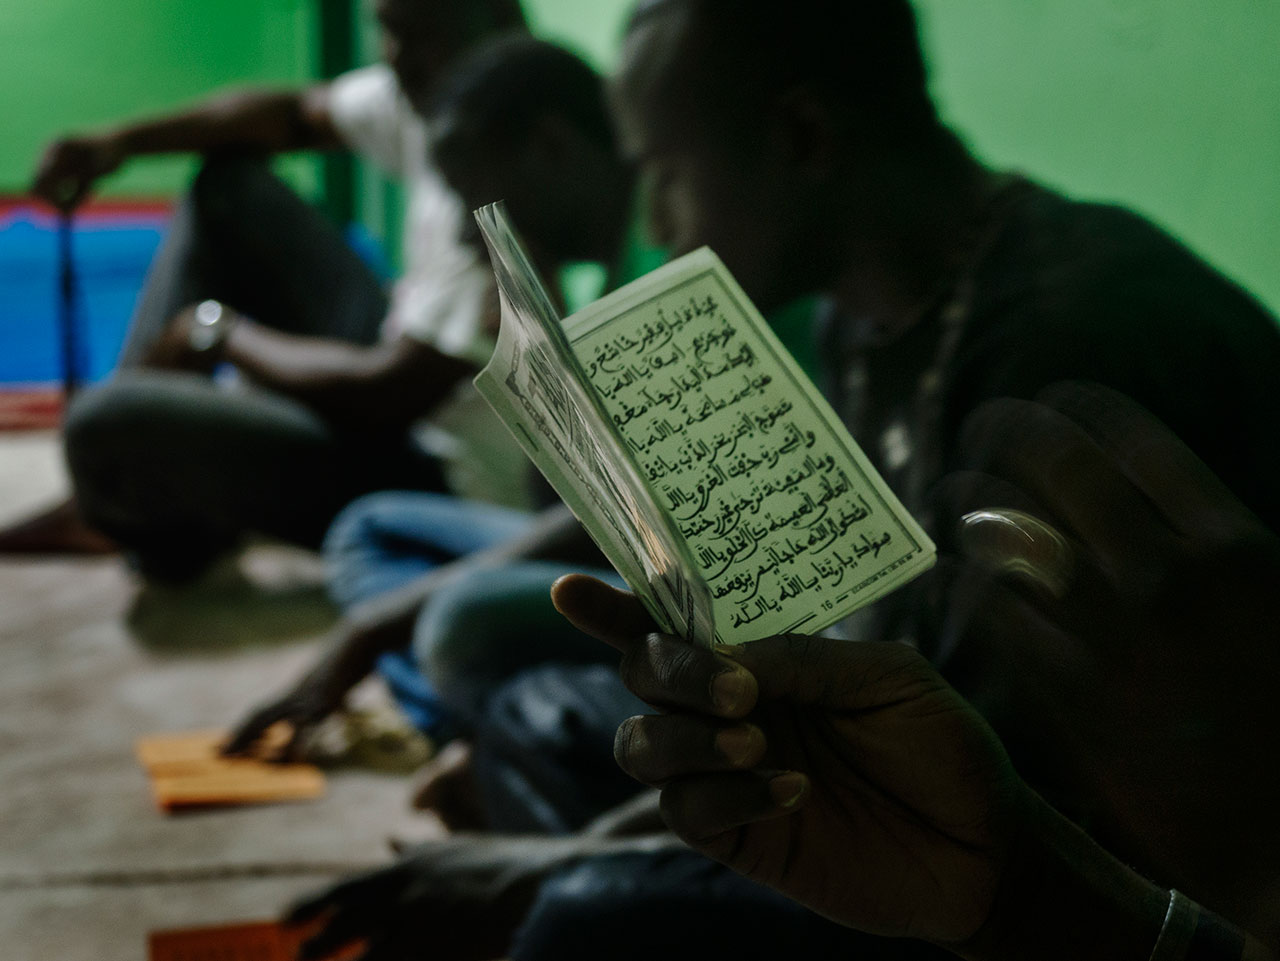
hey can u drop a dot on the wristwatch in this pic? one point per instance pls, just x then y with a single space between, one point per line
212 324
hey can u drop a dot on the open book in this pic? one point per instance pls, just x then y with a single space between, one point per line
699 457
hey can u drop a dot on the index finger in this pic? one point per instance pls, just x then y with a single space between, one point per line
672 674
1180 485
1056 462
606 613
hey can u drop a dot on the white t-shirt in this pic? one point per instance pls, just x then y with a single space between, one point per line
445 295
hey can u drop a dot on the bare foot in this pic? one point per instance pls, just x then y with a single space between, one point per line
58 530
448 789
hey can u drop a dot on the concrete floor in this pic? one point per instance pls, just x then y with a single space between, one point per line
87 664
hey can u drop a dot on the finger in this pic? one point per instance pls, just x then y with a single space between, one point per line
593 607
673 674
251 730
1046 454
1011 661
1181 486
1021 547
656 749
294 747
703 809
963 492
73 194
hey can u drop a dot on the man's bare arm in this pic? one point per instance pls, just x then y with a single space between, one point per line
385 623
388 385
267 120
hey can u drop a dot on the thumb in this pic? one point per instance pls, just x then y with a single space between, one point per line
606 613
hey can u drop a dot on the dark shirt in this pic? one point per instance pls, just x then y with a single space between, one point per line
1063 290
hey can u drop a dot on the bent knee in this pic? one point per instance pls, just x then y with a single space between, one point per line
104 420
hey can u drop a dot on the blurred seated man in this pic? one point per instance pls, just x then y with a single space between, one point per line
174 467
524 121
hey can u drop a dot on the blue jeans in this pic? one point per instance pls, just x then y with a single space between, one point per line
383 541
475 633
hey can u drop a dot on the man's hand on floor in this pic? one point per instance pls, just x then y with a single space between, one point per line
302 708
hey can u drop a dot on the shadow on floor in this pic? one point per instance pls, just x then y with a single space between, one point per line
268 595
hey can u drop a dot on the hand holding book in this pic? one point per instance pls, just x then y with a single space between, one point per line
697 455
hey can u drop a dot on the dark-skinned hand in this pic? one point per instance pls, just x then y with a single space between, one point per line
69 168
172 350
850 777
304 707
1143 689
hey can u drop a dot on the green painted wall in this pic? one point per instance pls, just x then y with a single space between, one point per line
1170 106
592 28
74 64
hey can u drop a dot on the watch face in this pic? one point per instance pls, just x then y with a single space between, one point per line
208 312
210 326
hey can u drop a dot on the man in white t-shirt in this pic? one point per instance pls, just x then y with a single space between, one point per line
342 389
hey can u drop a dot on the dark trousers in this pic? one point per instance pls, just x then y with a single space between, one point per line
176 467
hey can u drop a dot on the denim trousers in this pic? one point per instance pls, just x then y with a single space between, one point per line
475 633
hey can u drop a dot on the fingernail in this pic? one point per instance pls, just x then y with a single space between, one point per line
738 744
787 789
732 691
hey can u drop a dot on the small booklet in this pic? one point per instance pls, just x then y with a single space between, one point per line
187 770
699 457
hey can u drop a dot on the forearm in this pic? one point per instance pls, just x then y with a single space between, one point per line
265 120
354 652
379 385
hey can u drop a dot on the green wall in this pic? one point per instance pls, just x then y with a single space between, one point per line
76 64
592 28
1170 106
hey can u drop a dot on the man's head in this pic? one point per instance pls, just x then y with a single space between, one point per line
761 125
525 121
421 37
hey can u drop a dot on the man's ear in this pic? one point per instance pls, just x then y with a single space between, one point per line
804 132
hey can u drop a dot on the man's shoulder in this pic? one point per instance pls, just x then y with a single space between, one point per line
371 114
1059 260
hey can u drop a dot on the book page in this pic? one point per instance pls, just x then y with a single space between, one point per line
536 387
786 520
